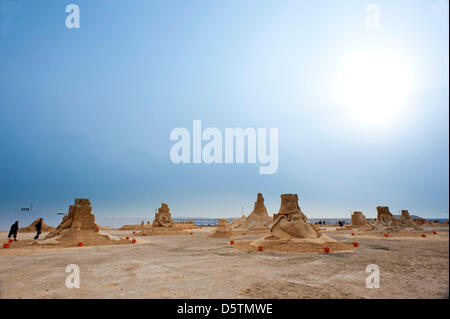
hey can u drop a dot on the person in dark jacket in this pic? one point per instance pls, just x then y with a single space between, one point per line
38 227
13 230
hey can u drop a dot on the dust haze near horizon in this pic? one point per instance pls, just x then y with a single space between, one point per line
87 113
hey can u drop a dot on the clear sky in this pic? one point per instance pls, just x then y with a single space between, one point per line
88 112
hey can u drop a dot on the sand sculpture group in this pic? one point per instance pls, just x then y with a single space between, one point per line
292 232
286 230
387 223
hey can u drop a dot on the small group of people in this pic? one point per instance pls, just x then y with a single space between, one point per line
341 223
15 228
321 222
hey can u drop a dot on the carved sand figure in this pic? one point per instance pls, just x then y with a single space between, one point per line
79 226
258 219
358 219
31 229
384 216
223 230
406 220
163 218
290 222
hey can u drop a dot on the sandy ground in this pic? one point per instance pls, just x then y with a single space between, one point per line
199 266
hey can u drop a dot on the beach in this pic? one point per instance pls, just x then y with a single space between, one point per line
198 266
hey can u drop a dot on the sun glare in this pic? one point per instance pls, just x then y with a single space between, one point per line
373 86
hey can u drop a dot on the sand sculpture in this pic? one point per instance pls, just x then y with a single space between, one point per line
79 226
162 224
257 220
358 219
290 222
31 229
406 220
291 231
222 229
163 218
386 222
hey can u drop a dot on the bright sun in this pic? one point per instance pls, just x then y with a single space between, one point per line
373 85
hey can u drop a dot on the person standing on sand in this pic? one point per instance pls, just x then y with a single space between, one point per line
38 227
13 230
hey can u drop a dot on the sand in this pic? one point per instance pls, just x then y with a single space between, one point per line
202 267
291 247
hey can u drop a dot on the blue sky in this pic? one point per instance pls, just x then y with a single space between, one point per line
88 112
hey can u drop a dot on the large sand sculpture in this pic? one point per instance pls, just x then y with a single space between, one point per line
258 219
290 222
386 222
162 224
222 229
358 219
163 218
292 232
31 229
79 226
